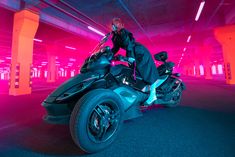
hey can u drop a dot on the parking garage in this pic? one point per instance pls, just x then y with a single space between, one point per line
44 43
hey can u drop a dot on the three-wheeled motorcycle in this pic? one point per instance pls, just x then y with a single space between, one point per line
96 102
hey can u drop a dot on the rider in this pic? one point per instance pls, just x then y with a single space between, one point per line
136 53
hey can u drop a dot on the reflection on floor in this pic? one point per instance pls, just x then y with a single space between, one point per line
202 126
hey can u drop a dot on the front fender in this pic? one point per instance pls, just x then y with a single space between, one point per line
86 78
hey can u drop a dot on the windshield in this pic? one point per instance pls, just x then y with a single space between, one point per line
100 45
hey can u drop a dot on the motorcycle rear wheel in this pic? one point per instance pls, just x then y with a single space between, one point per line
176 98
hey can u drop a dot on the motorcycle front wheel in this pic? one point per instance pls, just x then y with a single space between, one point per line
96 120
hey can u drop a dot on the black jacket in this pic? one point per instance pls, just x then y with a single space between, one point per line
125 40
144 62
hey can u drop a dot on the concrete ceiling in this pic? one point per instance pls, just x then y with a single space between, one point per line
158 24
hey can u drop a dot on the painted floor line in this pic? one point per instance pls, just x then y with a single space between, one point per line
7 126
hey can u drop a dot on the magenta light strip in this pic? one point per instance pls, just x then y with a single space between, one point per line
69 47
200 10
72 59
38 40
96 31
188 40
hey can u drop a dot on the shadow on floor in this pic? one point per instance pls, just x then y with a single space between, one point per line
40 137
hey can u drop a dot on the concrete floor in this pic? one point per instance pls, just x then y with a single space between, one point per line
204 125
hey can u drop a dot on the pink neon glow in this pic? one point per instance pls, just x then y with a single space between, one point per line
194 70
182 54
199 10
184 49
213 69
8 57
45 74
61 69
188 40
72 73
201 70
44 62
96 31
2 76
220 69
1 61
38 40
69 47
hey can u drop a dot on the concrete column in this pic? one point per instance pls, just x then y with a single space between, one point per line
226 37
197 68
190 69
206 59
51 66
184 70
24 29
195 60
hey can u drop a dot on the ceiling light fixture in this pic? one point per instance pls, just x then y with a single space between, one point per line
200 10
72 59
38 40
69 47
188 40
96 31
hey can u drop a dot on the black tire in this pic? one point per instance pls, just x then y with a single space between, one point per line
85 121
176 99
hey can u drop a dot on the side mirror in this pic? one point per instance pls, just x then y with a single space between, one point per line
161 56
176 74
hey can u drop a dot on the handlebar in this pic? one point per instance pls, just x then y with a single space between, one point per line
120 58
129 60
